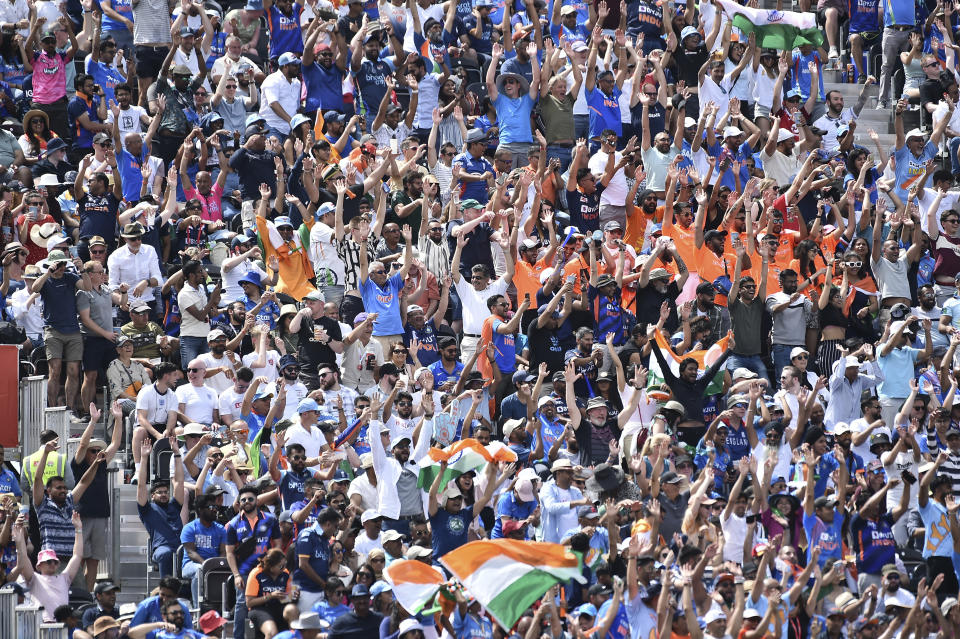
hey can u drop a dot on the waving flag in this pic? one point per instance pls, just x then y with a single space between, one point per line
704 359
414 582
782 30
461 457
347 433
507 575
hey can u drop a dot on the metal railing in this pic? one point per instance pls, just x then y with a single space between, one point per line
28 620
53 631
33 403
8 612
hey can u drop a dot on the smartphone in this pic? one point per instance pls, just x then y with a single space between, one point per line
908 477
571 279
74 252
526 296
394 146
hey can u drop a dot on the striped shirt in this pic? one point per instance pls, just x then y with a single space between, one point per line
151 22
349 252
56 527
436 257
951 468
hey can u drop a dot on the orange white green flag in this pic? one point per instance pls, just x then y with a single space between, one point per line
463 456
507 575
414 582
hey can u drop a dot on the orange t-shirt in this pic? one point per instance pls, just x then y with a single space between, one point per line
637 222
683 238
710 266
527 279
574 267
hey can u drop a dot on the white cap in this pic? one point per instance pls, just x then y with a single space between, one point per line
743 373
528 473
915 133
731 131
545 275
851 361
56 241
785 134
901 598
369 514
840 428
525 490
546 399
689 122
390 535
714 614
798 350
511 425
752 613
896 326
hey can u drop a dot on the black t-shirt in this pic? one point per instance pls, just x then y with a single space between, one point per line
585 209
689 63
545 346
313 353
930 91
254 168
477 249
649 301
656 118
95 502
350 626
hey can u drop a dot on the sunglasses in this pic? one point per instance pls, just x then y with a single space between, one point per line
245 500
404 403
380 272
952 220
854 264
802 357
99 252
195 370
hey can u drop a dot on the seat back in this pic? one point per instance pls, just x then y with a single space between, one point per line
214 573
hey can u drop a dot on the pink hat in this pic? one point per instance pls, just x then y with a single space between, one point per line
525 490
47 555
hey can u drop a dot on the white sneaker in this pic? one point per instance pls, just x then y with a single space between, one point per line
833 54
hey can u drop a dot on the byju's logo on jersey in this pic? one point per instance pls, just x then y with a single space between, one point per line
774 16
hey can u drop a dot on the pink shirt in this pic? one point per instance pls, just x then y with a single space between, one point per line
50 592
211 203
49 77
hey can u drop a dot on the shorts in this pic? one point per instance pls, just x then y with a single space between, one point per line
150 60
869 38
822 15
98 352
260 615
65 346
95 538
761 111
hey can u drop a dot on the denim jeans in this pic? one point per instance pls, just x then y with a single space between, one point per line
750 362
402 526
581 125
191 347
191 571
781 358
240 615
954 146
331 292
163 555
562 153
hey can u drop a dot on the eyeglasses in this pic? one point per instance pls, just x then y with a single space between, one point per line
854 264
98 252
802 357
230 86
404 403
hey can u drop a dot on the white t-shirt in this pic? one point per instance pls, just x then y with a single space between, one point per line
475 302
616 192
269 369
196 298
784 458
156 405
718 93
734 535
904 461
355 372
400 427
368 494
199 402
129 121
311 441
434 11
858 426
327 264
295 392
219 382
230 403
231 278
363 545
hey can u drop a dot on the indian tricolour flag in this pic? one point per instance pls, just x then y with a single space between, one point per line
704 359
507 575
461 457
414 582
781 30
